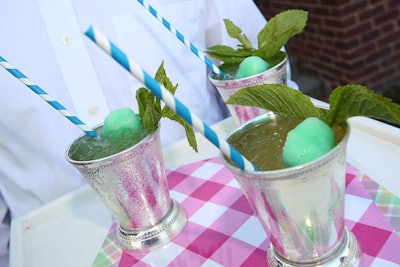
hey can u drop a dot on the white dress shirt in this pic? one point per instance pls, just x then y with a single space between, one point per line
44 39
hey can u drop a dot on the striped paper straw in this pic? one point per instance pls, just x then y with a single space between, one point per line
25 80
168 98
186 42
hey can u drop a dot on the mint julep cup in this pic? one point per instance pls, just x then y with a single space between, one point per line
133 186
301 208
226 87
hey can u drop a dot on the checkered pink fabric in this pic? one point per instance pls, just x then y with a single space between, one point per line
222 230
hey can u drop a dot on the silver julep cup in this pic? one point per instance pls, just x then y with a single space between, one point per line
227 87
133 186
301 208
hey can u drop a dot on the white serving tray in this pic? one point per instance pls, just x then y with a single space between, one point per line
374 148
66 232
70 230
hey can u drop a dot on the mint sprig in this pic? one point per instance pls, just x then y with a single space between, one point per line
271 39
151 112
235 32
278 98
279 30
356 100
345 102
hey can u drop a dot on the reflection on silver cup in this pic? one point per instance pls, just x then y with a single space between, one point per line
133 186
301 208
227 87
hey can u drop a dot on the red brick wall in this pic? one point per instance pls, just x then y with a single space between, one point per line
353 41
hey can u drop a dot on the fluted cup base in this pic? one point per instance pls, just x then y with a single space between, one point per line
156 236
347 255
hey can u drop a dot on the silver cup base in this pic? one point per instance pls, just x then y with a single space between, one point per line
156 236
348 254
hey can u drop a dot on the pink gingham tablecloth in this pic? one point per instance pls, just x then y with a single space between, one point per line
222 230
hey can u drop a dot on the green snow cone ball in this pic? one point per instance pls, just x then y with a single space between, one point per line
309 140
250 66
121 123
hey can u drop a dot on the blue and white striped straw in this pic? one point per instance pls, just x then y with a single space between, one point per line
169 99
25 80
186 42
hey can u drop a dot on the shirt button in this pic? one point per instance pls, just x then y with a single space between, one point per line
93 110
66 40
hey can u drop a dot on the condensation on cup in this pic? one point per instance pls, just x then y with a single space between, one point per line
133 186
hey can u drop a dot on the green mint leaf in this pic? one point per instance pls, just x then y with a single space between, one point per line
278 98
279 30
150 111
235 32
166 112
356 100
274 59
228 54
162 78
345 102
191 138
271 38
